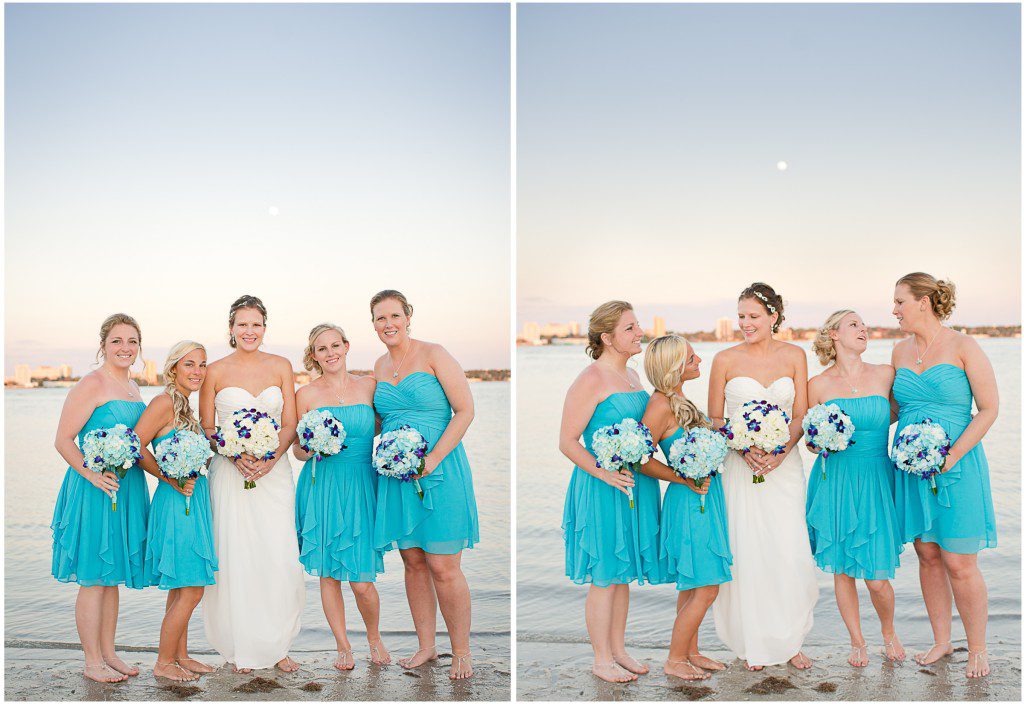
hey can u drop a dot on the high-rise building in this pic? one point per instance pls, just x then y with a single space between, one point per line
46 373
150 374
23 375
659 326
723 329
784 334
555 330
531 333
65 371
574 329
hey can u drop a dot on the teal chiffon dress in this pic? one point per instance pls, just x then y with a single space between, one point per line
851 515
94 545
334 516
444 521
694 545
179 547
961 518
606 541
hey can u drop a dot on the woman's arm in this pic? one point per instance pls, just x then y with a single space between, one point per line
159 415
716 391
580 402
78 407
302 405
796 430
453 381
658 417
986 395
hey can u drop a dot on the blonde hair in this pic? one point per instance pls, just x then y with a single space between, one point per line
664 362
603 320
184 418
824 346
391 293
308 361
941 294
108 325
241 302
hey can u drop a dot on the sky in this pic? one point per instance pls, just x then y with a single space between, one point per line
163 160
650 136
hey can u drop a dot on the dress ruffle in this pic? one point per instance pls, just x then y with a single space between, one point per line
179 551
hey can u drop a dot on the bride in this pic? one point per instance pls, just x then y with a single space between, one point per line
252 613
766 611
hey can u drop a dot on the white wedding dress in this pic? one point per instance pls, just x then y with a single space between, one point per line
252 614
766 611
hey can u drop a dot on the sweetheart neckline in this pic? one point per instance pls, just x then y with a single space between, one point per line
742 376
410 374
925 371
241 388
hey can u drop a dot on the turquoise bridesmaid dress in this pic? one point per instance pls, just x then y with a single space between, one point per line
444 521
960 519
179 548
607 542
694 545
851 517
92 544
334 517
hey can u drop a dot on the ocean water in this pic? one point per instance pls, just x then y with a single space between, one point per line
550 607
37 607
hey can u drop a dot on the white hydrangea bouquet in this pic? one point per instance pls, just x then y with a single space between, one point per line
921 449
115 449
623 446
828 429
399 455
249 432
759 424
321 435
698 455
183 456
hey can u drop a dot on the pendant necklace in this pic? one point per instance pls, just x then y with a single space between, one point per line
395 374
127 387
920 354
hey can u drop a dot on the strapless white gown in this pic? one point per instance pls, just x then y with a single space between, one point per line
766 611
253 613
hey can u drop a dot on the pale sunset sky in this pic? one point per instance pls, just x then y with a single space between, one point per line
650 138
162 160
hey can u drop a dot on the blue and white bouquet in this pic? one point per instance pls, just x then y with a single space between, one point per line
759 424
399 455
115 449
623 446
921 449
250 432
183 456
698 455
321 435
828 429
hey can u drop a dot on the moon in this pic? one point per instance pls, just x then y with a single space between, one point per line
782 166
273 210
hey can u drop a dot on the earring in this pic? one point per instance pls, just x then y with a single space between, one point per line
233 343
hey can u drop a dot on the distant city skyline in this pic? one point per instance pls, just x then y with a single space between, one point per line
651 135
164 159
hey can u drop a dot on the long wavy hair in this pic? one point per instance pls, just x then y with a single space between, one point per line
184 418
664 362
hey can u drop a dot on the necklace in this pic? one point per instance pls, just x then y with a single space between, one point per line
920 354
395 374
853 387
624 378
127 387
340 394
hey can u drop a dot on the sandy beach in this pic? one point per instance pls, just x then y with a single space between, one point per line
561 671
38 671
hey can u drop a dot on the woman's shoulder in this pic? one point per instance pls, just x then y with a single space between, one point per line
658 403
367 380
161 402
791 350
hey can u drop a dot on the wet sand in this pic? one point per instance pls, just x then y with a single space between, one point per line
54 672
561 672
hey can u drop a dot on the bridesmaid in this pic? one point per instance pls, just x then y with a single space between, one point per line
421 385
851 519
694 545
93 545
939 372
607 544
334 517
180 556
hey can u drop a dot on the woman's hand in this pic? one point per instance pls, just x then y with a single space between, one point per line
185 490
813 448
702 489
621 480
104 481
261 468
751 460
772 462
244 465
951 460
429 464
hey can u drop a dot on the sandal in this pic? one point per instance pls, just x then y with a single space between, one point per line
981 671
460 671
861 653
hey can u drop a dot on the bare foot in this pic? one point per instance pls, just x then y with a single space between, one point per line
628 662
893 650
685 670
858 655
286 664
116 663
462 666
192 665
977 663
345 661
800 661
173 671
610 672
379 655
242 670
934 653
704 662
101 673
753 668
421 656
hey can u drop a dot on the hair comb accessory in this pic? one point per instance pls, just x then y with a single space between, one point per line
771 308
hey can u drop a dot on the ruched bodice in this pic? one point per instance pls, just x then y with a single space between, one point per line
870 417
960 518
358 421
444 520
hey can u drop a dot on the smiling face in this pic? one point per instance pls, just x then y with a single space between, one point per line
910 312
190 371
627 335
121 347
391 322
248 329
691 368
755 322
329 351
851 334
